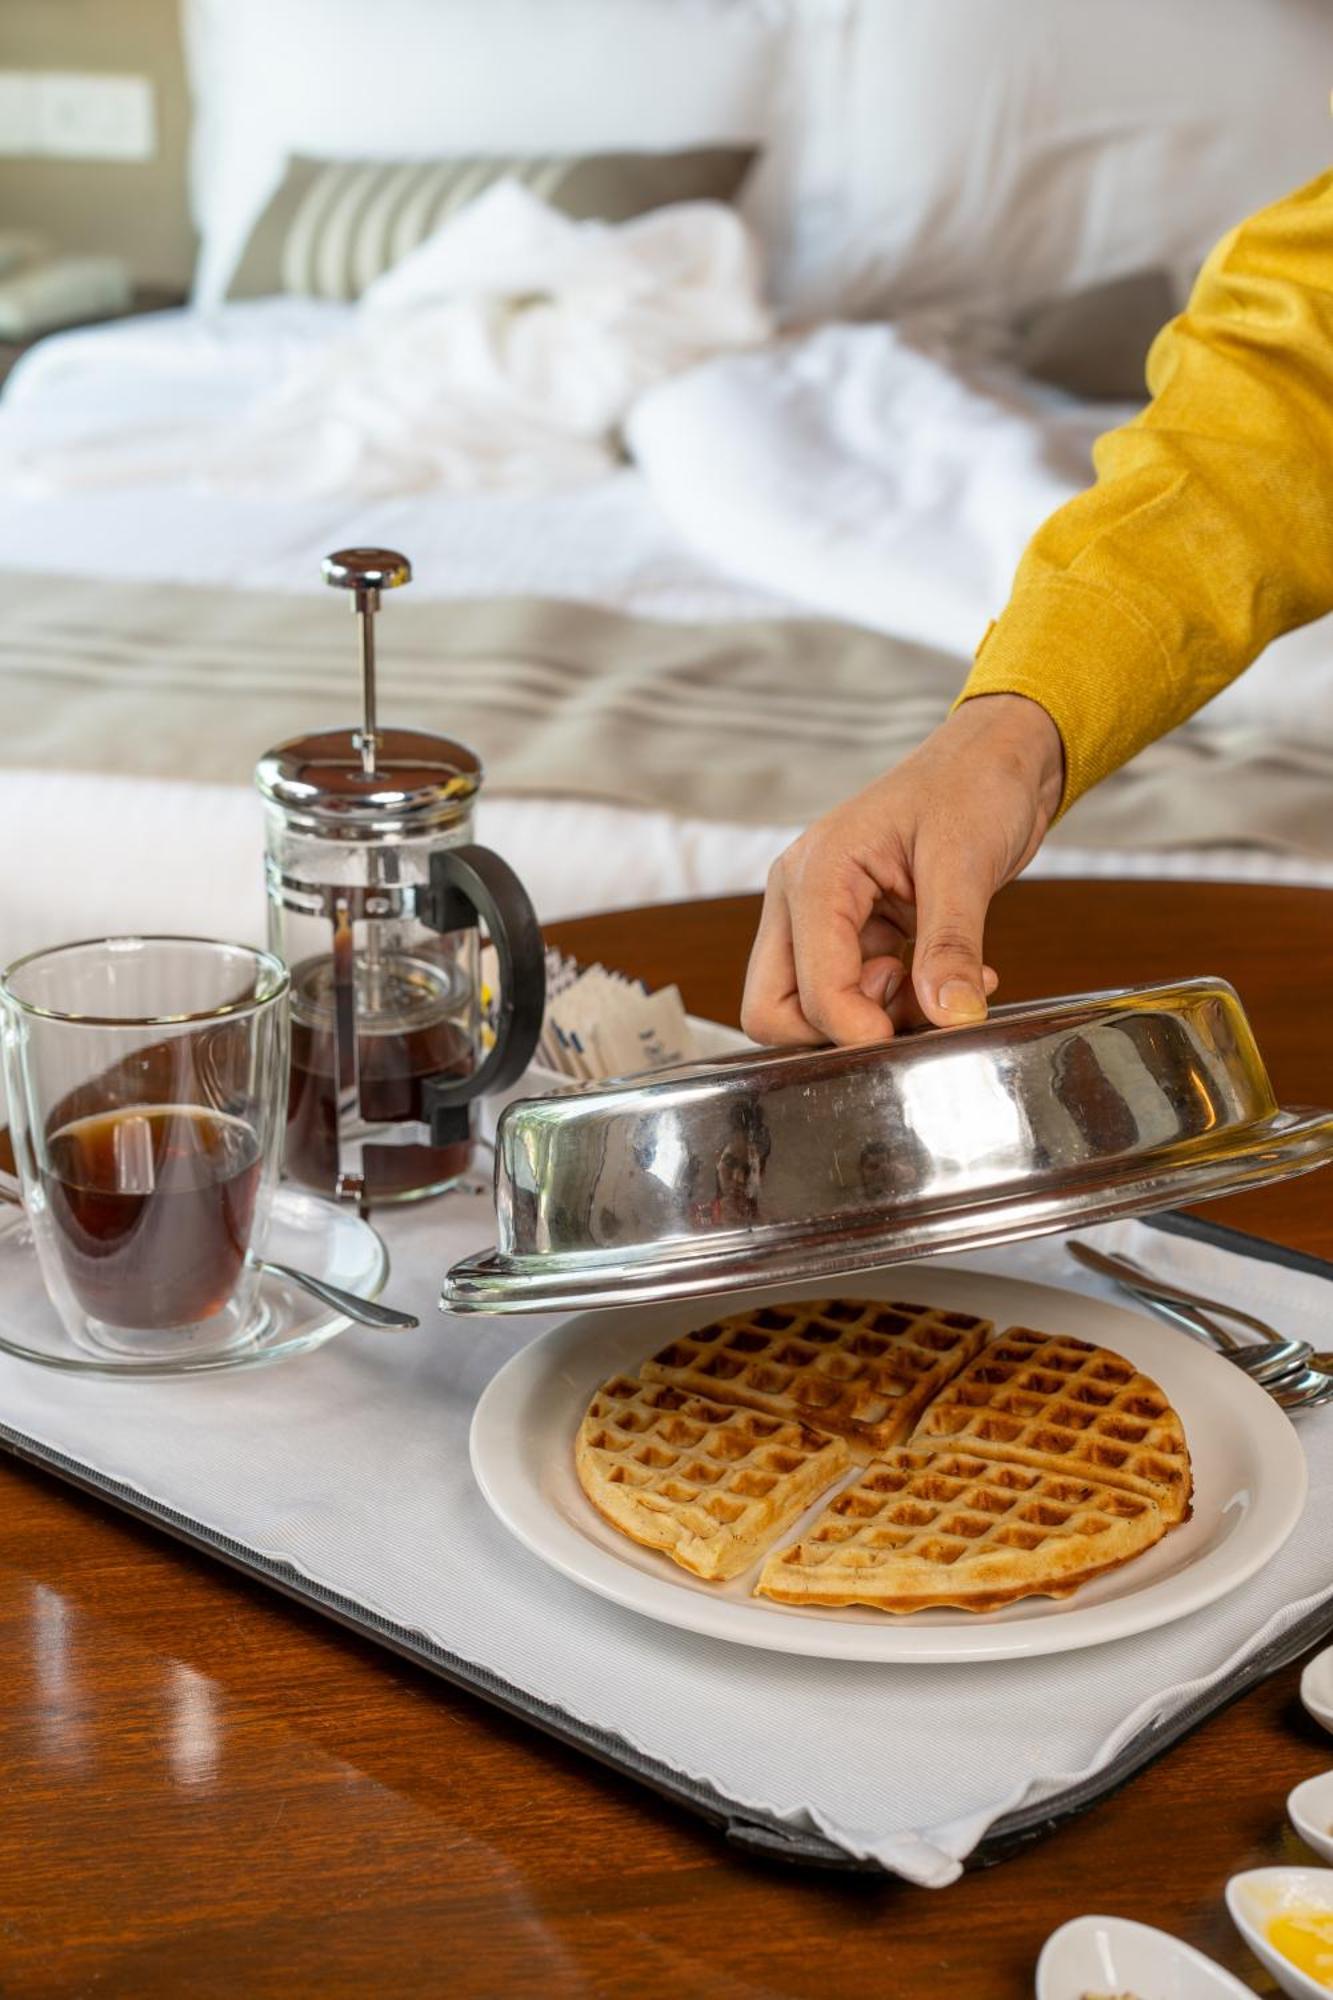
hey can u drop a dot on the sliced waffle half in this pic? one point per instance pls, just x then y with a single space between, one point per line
922 1529
1063 1406
710 1485
862 1368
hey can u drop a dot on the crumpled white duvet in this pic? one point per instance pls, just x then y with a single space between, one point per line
505 352
873 472
892 475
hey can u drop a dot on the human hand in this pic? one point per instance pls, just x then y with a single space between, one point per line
898 881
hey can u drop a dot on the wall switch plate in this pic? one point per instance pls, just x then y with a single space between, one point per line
66 114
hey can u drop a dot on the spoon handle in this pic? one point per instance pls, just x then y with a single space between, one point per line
368 1312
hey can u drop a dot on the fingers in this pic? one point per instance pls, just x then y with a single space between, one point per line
830 905
770 1006
917 855
905 1009
882 978
953 896
885 953
809 979
817 974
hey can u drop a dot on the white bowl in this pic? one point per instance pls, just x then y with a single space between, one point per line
1317 1687
1115 1955
1311 1809
1260 1894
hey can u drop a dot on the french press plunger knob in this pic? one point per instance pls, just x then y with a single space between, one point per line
376 897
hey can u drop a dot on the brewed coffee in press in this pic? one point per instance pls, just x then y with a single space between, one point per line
376 894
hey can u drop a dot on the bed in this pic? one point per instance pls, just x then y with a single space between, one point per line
670 666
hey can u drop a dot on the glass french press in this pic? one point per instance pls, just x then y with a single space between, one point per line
375 896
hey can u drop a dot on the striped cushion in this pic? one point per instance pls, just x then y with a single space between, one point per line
335 225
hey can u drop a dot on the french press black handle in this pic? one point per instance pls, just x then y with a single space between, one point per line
469 885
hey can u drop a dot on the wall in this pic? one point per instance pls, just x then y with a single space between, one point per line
137 210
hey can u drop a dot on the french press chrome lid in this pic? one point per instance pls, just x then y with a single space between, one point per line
369 783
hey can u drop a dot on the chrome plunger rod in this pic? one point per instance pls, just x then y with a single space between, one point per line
367 572
367 604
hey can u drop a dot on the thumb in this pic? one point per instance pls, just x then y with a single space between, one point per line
947 969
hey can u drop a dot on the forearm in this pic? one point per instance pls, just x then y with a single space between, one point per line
1210 528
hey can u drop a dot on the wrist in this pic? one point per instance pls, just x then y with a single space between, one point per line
1018 730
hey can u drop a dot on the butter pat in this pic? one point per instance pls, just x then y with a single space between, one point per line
1305 1937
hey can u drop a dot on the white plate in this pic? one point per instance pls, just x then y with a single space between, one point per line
1114 1955
305 1232
1249 1482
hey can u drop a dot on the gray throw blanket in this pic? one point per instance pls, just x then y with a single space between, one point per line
758 721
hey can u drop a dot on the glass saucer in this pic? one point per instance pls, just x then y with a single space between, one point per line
310 1234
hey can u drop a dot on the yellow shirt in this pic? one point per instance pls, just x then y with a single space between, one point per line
1209 530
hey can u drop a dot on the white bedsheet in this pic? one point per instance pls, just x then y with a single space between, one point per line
184 855
845 473
180 856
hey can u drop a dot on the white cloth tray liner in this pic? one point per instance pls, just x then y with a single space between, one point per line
344 1477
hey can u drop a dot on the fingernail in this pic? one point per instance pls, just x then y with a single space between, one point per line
962 1000
880 986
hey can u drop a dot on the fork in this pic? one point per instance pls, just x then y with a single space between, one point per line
1273 1358
1286 1369
1296 1386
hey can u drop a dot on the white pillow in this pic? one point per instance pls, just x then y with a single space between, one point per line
998 153
406 78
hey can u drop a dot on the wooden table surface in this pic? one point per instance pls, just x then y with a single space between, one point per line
209 1792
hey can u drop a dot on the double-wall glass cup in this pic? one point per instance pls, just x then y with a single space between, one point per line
147 1084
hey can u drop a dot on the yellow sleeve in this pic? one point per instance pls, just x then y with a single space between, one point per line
1209 530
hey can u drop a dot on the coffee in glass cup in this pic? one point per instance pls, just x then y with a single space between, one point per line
147 1088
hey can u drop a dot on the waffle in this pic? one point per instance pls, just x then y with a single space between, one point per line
928 1528
858 1367
1063 1406
710 1485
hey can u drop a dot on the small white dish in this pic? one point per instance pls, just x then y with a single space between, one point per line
1310 1809
304 1231
1261 1894
1114 1955
1317 1687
